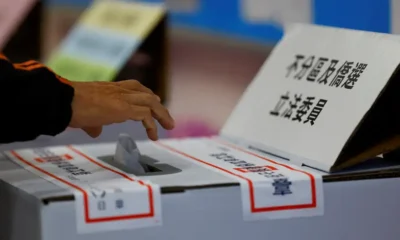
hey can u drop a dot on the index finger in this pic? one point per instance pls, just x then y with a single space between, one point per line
159 112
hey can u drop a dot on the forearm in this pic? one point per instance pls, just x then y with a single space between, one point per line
33 101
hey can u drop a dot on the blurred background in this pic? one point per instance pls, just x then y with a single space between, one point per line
214 47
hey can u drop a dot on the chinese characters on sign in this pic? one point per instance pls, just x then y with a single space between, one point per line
299 108
280 183
330 72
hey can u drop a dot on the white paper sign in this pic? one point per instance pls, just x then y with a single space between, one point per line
270 189
106 198
313 91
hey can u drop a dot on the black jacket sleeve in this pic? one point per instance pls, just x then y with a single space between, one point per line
33 101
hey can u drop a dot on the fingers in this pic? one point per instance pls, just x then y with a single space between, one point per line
151 128
158 111
93 132
143 114
117 102
164 118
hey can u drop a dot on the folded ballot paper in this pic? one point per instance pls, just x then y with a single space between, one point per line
128 154
290 162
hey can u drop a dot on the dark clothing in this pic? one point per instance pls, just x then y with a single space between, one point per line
33 101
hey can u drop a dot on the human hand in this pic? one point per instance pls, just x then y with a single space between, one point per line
96 104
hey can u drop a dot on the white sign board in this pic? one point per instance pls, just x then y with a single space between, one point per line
313 91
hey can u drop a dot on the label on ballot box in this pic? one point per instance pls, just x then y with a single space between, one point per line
318 99
269 188
106 198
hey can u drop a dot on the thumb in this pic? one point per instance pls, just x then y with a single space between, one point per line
94 132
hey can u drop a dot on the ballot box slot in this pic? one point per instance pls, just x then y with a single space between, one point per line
152 166
268 153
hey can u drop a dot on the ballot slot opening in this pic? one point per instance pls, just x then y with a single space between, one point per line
151 166
152 169
267 153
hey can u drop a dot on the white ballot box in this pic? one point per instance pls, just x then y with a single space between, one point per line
295 160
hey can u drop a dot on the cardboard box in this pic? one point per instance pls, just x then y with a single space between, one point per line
234 186
117 40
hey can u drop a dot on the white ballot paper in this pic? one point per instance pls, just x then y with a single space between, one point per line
128 154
